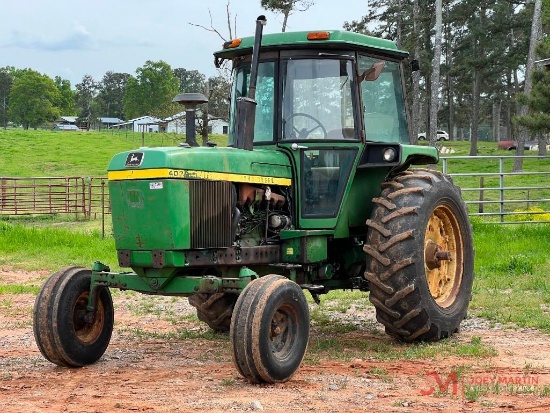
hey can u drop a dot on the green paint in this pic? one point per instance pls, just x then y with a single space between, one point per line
338 39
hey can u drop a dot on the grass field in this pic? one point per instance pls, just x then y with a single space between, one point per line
37 153
512 263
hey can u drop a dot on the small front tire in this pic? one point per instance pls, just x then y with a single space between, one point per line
61 330
269 330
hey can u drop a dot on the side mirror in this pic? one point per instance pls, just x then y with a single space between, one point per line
372 72
415 65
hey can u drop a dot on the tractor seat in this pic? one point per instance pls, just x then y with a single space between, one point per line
345 133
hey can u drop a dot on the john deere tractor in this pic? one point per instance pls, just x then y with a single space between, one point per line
317 190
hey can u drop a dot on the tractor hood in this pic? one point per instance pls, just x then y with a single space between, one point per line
266 167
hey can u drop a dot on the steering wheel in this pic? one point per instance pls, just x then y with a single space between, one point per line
304 132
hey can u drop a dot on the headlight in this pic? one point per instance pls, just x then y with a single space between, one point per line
389 154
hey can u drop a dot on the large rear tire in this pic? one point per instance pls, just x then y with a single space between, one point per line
269 330
61 330
214 309
420 256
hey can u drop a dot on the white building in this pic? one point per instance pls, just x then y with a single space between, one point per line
176 124
146 124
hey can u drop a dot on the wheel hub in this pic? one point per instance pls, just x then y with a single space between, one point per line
434 255
443 248
87 329
279 333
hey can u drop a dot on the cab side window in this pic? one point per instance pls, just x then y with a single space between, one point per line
383 101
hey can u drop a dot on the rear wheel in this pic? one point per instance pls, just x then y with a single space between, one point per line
214 309
269 329
63 330
420 256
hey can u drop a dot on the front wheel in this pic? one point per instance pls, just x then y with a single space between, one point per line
63 330
269 329
420 256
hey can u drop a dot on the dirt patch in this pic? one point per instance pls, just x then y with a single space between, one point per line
161 359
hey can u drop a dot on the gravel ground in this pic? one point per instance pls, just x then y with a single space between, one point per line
151 367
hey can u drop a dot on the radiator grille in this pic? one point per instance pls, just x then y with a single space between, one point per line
210 213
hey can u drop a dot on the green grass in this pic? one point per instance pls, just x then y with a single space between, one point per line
37 153
18 289
349 346
512 266
51 248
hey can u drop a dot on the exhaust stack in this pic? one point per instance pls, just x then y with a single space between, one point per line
246 106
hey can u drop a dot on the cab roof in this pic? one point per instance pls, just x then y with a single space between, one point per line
337 39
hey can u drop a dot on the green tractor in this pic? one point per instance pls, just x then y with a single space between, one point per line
315 191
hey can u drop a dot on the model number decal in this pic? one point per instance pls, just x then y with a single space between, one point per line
177 173
187 174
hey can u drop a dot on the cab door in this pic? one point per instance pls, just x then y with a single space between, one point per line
319 128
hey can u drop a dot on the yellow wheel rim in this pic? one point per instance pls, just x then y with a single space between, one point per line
443 256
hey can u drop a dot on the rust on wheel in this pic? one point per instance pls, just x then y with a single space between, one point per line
87 333
281 334
66 333
443 259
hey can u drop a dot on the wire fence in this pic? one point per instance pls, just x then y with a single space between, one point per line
491 191
494 192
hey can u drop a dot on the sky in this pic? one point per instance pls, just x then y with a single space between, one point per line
71 38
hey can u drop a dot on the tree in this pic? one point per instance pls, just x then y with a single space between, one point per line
286 7
231 28
67 101
484 47
537 119
34 99
110 96
434 98
190 80
85 94
217 88
151 91
6 81
217 91
523 110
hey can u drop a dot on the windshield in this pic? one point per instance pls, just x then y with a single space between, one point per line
317 99
265 98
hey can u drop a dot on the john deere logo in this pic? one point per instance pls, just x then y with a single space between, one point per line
134 159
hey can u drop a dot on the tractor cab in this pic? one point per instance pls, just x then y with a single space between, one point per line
333 101
324 91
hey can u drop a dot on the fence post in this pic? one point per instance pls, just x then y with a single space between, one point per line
481 194
102 208
3 200
90 182
501 184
